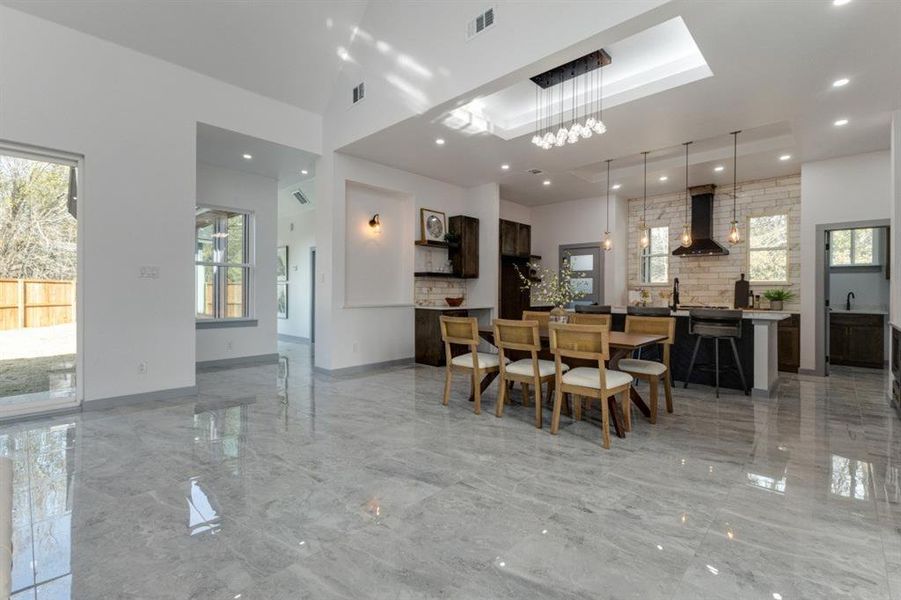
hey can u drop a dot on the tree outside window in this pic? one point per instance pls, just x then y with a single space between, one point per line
222 264
768 249
852 247
654 259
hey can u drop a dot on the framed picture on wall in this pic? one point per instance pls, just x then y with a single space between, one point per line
433 225
281 301
281 269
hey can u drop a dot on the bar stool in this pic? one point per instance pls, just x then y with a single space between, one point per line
597 309
716 324
648 311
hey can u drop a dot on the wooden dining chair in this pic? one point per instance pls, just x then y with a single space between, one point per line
543 317
522 336
592 319
649 370
587 342
464 331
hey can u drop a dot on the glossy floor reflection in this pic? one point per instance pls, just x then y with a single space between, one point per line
278 483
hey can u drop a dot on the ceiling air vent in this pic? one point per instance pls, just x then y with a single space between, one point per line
480 23
301 198
534 171
359 92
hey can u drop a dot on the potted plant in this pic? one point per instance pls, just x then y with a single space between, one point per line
551 287
777 296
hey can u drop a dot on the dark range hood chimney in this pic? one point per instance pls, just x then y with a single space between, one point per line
702 243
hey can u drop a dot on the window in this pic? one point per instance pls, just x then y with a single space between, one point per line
768 249
222 264
852 247
655 258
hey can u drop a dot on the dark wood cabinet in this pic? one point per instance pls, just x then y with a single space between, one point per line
509 234
856 339
523 240
789 341
464 252
516 248
429 349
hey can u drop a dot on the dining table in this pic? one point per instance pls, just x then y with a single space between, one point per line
621 344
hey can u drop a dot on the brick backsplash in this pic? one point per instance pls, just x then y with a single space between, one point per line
432 291
711 279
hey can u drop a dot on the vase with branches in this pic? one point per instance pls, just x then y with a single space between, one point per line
551 287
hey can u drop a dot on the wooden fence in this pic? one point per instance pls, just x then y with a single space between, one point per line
234 302
36 303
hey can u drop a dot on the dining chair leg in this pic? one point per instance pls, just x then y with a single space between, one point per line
538 407
605 422
577 407
550 391
668 391
555 415
477 391
524 387
654 384
501 397
627 410
447 384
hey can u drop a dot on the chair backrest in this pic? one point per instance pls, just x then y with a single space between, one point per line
595 309
591 342
510 334
591 319
542 317
715 322
649 311
654 326
459 330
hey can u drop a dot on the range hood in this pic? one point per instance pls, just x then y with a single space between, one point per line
702 243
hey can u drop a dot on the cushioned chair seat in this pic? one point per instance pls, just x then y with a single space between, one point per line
642 367
588 377
524 367
486 360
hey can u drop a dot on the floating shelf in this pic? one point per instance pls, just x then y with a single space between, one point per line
444 274
431 244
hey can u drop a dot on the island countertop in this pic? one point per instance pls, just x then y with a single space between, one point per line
747 313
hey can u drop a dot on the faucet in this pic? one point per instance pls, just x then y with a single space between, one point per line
848 300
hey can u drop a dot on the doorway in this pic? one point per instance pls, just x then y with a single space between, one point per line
39 271
586 263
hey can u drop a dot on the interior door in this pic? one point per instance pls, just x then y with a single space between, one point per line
587 264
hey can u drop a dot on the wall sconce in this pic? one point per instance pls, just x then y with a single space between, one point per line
375 224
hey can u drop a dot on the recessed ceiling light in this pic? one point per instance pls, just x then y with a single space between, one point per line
546 182
841 123
505 167
840 2
663 178
615 186
304 172
440 141
785 157
840 82
718 168
248 156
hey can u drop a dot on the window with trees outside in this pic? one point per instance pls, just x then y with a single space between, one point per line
768 249
852 247
654 259
223 269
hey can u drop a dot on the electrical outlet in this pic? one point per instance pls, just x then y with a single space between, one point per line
229 346
149 272
142 368
322 278
356 347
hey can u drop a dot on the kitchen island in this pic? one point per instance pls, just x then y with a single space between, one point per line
757 348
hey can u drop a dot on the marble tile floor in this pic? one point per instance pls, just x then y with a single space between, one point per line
275 482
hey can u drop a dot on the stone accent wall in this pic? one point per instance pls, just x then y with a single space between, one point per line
710 280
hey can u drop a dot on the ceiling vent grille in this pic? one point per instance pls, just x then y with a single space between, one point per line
480 23
534 171
359 92
299 195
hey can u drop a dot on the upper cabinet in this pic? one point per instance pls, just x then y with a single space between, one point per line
516 239
463 252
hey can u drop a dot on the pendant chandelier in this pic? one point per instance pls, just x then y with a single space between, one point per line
645 239
608 243
734 234
561 120
686 223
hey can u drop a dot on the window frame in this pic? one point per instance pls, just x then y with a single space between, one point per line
787 248
644 259
220 286
876 247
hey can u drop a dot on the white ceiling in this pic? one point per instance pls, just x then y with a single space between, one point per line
287 50
773 65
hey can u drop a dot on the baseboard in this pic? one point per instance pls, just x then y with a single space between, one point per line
284 337
240 361
761 393
811 372
360 369
50 412
130 399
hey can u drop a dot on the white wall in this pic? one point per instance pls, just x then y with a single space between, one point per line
134 119
840 190
296 230
895 246
234 189
518 213
483 202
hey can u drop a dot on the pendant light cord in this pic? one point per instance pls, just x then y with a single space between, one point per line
644 214
734 172
686 181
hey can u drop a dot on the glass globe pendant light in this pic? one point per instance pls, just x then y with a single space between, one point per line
734 233
686 226
608 243
645 239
